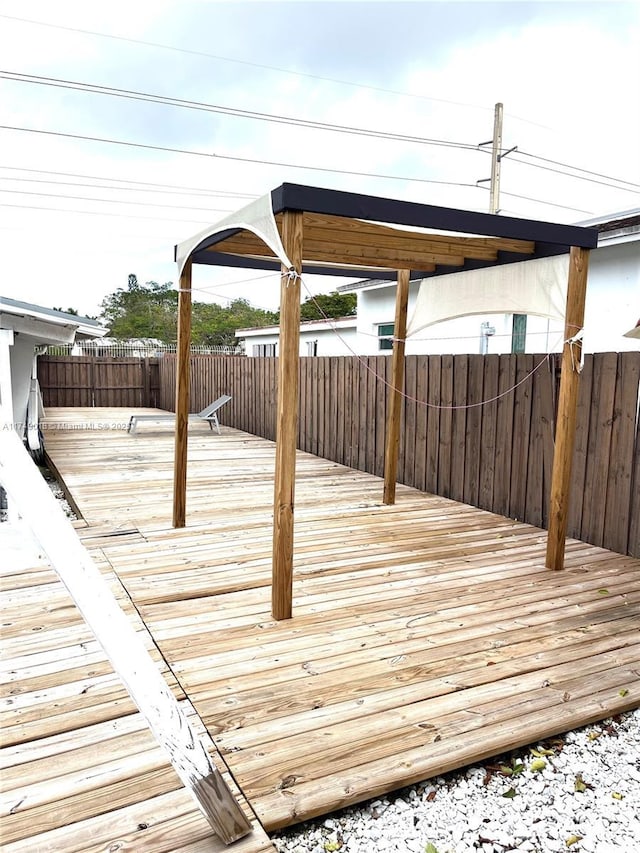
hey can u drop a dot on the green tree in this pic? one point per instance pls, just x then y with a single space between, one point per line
141 311
329 305
151 311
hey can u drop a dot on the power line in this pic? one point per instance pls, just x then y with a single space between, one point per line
542 201
514 157
164 100
578 169
103 213
119 201
262 66
54 183
314 77
195 190
149 147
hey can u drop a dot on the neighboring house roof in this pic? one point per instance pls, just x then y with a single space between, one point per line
620 227
46 324
305 326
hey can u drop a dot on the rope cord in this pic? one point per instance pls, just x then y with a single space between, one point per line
409 397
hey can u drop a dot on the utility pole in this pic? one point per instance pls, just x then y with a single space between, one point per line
496 160
494 187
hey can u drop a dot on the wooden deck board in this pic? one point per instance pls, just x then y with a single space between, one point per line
425 635
79 768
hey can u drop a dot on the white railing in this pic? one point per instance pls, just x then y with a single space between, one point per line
136 349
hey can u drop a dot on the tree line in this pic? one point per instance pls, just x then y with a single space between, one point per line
151 310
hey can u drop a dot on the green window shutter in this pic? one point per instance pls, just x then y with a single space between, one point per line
519 333
385 333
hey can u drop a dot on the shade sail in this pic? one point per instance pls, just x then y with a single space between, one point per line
256 217
536 287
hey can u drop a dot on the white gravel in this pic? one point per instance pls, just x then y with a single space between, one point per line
585 799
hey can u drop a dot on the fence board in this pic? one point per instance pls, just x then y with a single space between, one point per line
488 440
618 503
98 381
421 447
634 526
459 426
378 364
434 414
473 427
407 467
520 438
599 445
504 429
445 433
497 456
534 495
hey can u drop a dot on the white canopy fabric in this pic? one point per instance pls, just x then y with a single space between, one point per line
535 287
257 217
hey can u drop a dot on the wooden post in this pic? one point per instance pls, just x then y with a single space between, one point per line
122 644
567 407
182 398
392 444
286 420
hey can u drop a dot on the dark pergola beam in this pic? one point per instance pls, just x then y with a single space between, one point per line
376 209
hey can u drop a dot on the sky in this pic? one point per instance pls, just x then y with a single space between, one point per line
77 216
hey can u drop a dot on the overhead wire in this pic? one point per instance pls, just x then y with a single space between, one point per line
103 213
263 66
165 100
214 156
513 157
119 201
144 184
327 79
577 168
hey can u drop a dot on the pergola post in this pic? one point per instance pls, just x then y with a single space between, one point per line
286 419
392 444
567 408
182 398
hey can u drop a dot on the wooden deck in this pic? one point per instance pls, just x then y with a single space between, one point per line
425 636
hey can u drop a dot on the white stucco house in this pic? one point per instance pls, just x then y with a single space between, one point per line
317 337
25 331
612 311
612 307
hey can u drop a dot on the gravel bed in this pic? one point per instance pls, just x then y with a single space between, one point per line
56 489
579 793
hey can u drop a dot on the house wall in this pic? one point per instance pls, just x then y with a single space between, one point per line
21 366
463 335
612 308
613 298
342 341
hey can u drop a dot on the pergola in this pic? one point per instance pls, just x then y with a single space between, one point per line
300 229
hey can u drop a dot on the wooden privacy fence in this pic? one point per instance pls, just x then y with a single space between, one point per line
484 437
98 381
